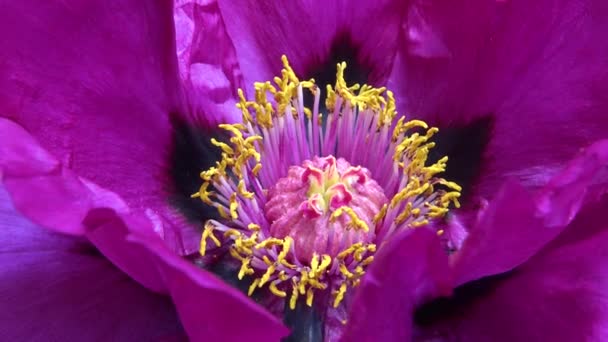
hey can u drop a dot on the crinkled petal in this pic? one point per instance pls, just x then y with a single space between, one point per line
94 82
42 188
558 295
536 69
60 288
209 308
55 198
515 225
411 268
262 31
207 61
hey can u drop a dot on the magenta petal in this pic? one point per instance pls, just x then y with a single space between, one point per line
537 69
59 200
44 191
410 269
94 83
515 226
207 62
60 288
558 295
262 31
210 310
108 232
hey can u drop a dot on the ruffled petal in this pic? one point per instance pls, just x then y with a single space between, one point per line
94 82
558 295
60 288
535 70
207 62
262 31
516 225
410 269
54 197
42 188
209 308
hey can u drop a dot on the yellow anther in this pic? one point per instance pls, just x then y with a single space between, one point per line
450 185
348 274
339 295
243 190
233 252
254 227
451 196
294 297
381 214
287 241
314 264
222 212
234 205
242 246
440 232
287 264
342 255
303 282
252 287
309 296
367 260
233 233
273 288
283 276
208 233
256 169
269 243
233 128
203 194
358 254
245 269
227 149
355 221
420 223
325 262
271 269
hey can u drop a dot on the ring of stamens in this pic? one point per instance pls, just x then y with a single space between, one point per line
238 184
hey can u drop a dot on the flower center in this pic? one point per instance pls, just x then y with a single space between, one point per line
296 214
325 205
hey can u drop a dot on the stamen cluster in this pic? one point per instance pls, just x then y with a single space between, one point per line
384 166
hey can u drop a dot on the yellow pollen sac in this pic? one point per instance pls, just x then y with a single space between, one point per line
355 221
238 186
339 295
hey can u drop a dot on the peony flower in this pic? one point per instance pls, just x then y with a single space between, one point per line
106 131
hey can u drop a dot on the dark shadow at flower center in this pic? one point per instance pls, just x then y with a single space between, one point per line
456 306
305 323
191 152
465 146
342 49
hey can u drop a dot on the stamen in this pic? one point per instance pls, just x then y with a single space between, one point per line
298 219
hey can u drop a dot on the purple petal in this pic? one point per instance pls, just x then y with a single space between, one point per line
94 83
262 31
207 62
408 270
558 295
55 198
60 288
41 188
537 69
516 225
209 308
